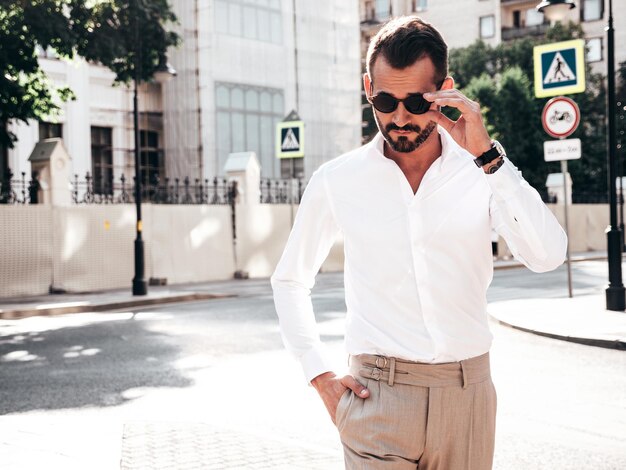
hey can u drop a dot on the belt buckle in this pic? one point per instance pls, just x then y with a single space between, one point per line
376 374
385 361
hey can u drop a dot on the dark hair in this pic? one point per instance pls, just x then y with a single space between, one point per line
404 40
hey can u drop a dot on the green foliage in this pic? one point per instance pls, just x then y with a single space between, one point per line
501 79
113 33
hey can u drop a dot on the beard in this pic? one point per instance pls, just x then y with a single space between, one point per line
403 144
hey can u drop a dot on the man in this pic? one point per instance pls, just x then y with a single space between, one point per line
416 207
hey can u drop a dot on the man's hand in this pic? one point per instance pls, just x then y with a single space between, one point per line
331 389
469 130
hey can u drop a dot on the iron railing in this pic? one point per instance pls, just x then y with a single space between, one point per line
287 191
168 191
18 190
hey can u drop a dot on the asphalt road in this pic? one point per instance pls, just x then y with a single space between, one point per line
69 385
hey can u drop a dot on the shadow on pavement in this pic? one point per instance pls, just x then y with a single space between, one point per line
95 364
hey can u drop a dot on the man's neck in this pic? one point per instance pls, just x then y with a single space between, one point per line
420 160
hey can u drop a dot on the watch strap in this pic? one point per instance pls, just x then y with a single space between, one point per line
490 155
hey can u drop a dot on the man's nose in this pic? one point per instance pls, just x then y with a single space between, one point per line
401 117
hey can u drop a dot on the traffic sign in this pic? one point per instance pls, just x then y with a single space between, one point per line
290 139
560 117
565 149
559 68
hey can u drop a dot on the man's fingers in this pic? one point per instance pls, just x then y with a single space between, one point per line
355 386
441 119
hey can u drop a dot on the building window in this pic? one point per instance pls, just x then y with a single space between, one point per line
259 20
152 163
102 159
594 49
246 118
420 5
591 10
48 130
383 9
487 26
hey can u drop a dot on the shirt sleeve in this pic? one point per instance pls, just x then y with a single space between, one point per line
518 214
312 236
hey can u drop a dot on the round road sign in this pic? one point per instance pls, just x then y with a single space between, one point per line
560 117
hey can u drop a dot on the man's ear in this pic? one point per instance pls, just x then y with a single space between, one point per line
448 83
367 84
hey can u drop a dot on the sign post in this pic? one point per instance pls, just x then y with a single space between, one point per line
290 145
560 118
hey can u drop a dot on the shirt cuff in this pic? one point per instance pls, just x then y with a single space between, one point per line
316 361
506 181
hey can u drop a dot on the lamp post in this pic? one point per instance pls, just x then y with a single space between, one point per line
163 74
555 10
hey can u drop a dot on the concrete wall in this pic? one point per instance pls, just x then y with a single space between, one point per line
85 248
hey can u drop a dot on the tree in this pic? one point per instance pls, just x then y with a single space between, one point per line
513 115
113 33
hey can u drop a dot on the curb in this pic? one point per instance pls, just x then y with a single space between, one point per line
65 309
600 343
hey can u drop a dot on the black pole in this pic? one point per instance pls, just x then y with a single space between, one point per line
140 286
615 293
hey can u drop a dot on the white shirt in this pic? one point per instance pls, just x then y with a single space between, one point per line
417 266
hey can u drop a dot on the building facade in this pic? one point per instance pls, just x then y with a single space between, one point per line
243 66
461 22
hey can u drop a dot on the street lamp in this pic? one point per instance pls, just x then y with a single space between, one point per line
163 74
555 10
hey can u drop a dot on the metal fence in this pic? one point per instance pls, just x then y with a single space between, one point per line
167 191
18 190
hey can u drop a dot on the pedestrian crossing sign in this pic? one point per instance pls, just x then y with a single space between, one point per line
559 68
290 139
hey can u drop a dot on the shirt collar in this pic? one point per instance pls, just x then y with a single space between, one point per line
449 148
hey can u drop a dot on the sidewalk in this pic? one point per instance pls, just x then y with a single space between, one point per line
582 319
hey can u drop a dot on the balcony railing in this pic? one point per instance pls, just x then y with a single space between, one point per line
509 33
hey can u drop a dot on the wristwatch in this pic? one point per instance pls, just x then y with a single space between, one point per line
490 155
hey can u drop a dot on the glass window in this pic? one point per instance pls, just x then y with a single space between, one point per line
251 19
487 26
247 122
266 102
249 23
420 5
276 28
238 133
592 9
252 100
221 16
48 130
382 9
234 19
222 97
236 96
223 138
102 159
252 132
594 49
263 17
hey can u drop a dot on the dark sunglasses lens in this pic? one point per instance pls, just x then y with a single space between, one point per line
416 104
384 103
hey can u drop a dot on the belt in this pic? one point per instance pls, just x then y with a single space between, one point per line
394 370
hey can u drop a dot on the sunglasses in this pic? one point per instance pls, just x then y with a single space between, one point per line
386 103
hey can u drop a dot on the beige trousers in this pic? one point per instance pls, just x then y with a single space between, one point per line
431 416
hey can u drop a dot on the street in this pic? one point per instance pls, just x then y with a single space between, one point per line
86 390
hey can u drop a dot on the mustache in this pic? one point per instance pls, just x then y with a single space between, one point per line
408 127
